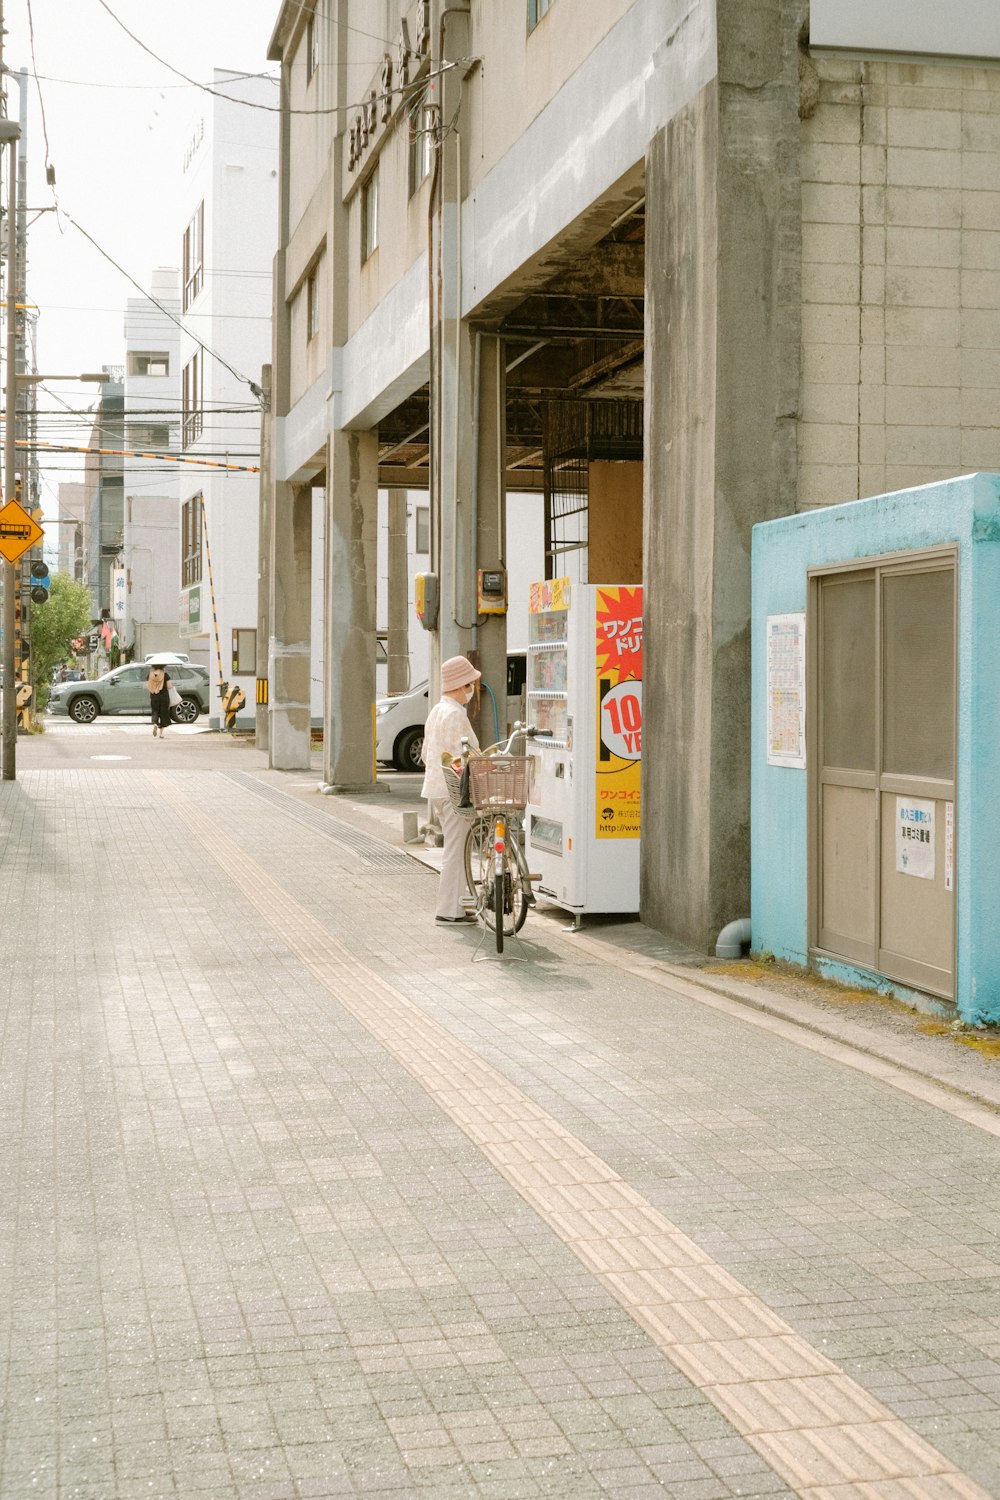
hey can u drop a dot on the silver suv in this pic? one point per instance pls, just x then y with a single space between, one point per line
124 691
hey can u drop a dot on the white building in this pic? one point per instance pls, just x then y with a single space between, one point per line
229 236
151 544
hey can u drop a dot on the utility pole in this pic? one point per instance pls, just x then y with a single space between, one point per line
9 132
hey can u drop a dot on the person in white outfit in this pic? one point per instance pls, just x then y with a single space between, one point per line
447 725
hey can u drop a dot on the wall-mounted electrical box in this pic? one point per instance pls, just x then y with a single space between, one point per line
491 591
426 599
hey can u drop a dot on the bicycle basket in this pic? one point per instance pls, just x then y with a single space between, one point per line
500 781
453 782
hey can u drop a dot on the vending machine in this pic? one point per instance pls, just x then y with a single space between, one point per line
584 695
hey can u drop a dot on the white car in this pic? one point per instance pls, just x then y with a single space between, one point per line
399 728
399 721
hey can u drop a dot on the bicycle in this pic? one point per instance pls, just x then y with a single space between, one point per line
495 867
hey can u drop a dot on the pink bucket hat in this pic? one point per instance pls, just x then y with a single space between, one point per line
456 672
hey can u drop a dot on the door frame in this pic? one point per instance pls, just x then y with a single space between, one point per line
906 561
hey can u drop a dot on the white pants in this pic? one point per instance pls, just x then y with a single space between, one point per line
454 885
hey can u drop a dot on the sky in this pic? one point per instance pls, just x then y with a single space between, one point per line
113 122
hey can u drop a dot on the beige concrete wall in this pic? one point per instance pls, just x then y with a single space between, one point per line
524 71
900 278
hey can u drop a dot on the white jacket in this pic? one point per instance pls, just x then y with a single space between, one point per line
447 725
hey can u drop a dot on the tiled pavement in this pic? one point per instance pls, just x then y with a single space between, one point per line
298 1200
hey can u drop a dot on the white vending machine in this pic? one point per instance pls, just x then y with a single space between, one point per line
584 693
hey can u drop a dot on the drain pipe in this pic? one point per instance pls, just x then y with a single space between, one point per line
733 938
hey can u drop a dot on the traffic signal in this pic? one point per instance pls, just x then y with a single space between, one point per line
40 582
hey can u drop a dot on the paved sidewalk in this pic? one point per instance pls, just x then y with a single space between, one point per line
300 1199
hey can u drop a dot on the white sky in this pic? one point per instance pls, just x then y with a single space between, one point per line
117 123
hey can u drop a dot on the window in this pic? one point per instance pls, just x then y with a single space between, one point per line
369 217
422 542
312 303
191 541
144 362
149 435
312 47
194 257
536 10
244 653
421 144
191 400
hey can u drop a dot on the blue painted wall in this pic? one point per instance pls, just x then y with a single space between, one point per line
964 512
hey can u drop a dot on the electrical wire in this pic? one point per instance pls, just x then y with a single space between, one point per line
243 379
278 109
49 173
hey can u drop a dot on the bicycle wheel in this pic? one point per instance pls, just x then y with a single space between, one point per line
498 905
503 894
479 857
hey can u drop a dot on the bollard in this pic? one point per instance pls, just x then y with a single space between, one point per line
411 828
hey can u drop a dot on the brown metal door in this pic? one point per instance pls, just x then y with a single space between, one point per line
885 752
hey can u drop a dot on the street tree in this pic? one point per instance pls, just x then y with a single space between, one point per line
54 626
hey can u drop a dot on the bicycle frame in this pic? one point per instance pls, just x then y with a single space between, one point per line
495 866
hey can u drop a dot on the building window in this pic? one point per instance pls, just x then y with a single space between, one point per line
149 435
312 303
369 217
536 10
312 48
244 653
194 257
191 529
144 362
421 144
191 400
422 541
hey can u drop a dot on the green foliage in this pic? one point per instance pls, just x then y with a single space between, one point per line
54 627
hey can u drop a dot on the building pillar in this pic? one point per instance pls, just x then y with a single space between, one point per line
265 510
289 655
351 550
397 677
489 496
722 381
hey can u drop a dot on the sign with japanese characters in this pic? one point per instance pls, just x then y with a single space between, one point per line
618 663
551 593
915 837
786 690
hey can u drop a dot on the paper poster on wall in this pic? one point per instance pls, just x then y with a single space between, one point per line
915 837
786 690
949 845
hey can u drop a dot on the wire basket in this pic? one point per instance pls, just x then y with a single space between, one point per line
453 782
500 781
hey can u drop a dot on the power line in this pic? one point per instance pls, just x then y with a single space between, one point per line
244 379
277 109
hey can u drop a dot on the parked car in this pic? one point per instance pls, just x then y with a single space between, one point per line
400 720
399 728
124 691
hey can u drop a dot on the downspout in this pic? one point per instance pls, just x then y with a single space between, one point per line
733 938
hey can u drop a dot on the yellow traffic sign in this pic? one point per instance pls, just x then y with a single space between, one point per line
18 531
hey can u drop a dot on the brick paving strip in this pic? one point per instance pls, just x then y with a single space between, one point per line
818 1429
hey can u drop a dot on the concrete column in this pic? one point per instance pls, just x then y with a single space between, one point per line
351 546
398 592
722 358
265 507
289 647
488 504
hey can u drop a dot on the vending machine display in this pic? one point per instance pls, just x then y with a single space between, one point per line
584 694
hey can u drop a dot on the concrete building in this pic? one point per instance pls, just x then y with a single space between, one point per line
151 537
677 268
227 241
104 509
